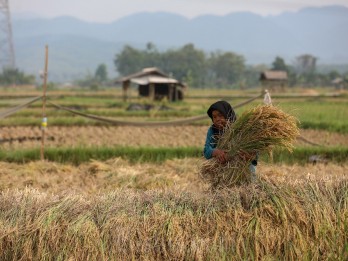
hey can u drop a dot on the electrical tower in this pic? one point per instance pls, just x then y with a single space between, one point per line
7 55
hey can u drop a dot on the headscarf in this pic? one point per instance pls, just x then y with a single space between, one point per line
225 109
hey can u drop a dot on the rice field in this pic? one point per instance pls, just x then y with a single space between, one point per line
172 136
160 208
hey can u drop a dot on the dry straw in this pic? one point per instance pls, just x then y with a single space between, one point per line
256 131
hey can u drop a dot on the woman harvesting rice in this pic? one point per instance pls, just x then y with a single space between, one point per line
221 113
233 143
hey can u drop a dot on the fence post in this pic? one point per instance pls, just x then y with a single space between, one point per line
44 119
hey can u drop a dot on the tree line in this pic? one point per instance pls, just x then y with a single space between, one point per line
187 64
217 69
196 68
13 76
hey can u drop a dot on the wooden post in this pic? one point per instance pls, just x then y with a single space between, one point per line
176 92
152 91
171 94
125 87
44 119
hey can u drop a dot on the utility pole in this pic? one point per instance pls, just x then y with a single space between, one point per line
7 54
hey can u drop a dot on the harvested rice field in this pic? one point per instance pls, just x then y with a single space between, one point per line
114 210
158 207
97 177
174 136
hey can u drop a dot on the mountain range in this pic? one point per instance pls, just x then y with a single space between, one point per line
77 47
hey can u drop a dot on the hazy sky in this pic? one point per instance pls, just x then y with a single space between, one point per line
111 10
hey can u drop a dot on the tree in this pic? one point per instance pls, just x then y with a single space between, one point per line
101 74
279 65
334 74
14 76
130 60
185 63
306 64
227 68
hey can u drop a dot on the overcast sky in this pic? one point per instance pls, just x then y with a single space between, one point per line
111 10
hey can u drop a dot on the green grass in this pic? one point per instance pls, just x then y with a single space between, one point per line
79 155
150 154
319 113
301 155
322 113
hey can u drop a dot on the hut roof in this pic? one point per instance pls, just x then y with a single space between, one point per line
338 80
274 75
153 79
145 72
150 75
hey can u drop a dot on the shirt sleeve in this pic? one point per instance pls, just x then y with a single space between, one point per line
210 144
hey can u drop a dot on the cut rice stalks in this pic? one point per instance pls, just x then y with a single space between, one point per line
256 131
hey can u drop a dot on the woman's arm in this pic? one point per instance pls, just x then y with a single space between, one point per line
210 149
209 144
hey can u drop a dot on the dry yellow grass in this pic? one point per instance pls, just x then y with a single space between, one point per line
115 210
179 174
255 222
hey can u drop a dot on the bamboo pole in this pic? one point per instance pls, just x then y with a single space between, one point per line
44 119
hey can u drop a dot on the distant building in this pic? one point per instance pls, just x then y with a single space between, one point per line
155 84
339 83
274 80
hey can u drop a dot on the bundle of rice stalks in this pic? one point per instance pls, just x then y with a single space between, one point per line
256 131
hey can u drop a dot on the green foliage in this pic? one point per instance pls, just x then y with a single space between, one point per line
93 82
101 74
14 76
226 68
186 64
129 61
279 64
218 69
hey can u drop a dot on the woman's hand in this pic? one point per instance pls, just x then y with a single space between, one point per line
220 155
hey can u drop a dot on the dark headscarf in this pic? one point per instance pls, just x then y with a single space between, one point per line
225 109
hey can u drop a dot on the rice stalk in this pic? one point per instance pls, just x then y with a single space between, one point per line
251 222
259 130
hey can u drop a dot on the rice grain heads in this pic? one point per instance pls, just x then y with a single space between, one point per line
258 130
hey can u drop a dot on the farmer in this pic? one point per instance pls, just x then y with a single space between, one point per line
221 113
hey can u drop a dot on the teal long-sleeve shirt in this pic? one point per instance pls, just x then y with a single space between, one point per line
210 144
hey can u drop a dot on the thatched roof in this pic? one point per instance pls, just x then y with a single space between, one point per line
274 75
145 72
150 75
153 79
338 80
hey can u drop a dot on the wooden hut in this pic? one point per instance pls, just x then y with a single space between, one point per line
339 83
155 84
274 80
